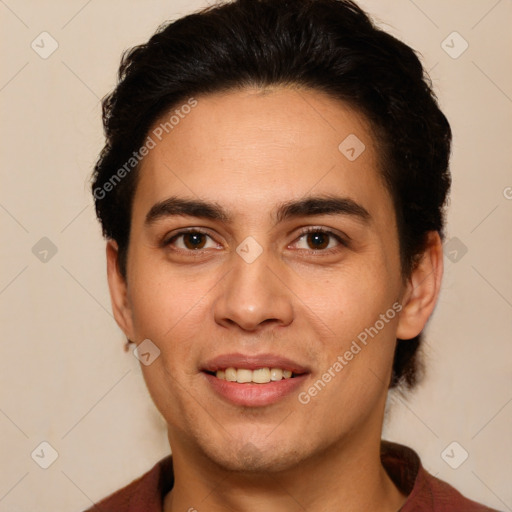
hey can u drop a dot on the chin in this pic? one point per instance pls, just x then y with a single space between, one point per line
253 457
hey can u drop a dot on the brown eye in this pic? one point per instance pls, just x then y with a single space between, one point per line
194 240
318 240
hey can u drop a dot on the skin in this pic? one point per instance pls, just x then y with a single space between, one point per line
249 151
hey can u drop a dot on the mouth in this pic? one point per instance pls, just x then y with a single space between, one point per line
253 381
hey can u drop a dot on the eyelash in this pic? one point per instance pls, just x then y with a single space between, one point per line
311 229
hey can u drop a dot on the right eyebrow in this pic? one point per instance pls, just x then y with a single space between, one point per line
189 207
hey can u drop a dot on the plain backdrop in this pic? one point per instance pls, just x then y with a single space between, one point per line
64 377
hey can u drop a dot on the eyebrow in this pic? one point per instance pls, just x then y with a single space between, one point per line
305 207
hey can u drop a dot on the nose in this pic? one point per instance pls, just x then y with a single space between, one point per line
253 296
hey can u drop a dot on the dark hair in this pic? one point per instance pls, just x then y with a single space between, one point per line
326 45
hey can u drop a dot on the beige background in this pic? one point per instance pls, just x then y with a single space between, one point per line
64 377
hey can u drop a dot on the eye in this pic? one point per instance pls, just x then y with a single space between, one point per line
317 239
191 240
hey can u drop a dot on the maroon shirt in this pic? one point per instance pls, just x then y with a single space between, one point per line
425 492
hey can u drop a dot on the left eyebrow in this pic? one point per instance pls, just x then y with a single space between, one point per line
305 207
322 205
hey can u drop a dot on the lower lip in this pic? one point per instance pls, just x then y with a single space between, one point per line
254 395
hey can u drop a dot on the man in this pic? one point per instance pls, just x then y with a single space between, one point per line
272 191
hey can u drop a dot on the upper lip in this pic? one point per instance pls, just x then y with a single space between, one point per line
253 362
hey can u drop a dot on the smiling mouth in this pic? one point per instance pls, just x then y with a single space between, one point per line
257 376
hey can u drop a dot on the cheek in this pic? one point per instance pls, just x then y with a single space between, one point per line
349 299
169 309
163 301
166 387
357 361
358 305
170 317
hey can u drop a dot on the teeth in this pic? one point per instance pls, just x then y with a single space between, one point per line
259 376
243 376
230 374
276 374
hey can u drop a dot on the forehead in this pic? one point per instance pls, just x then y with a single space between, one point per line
249 149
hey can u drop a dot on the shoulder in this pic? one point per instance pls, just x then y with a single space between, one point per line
430 493
144 494
425 493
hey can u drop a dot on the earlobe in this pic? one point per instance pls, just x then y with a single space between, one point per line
422 290
118 291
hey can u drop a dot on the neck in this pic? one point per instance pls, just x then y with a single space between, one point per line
350 474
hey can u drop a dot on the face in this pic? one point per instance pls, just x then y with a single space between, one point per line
259 248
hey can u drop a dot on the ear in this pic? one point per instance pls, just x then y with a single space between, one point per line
422 289
118 291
